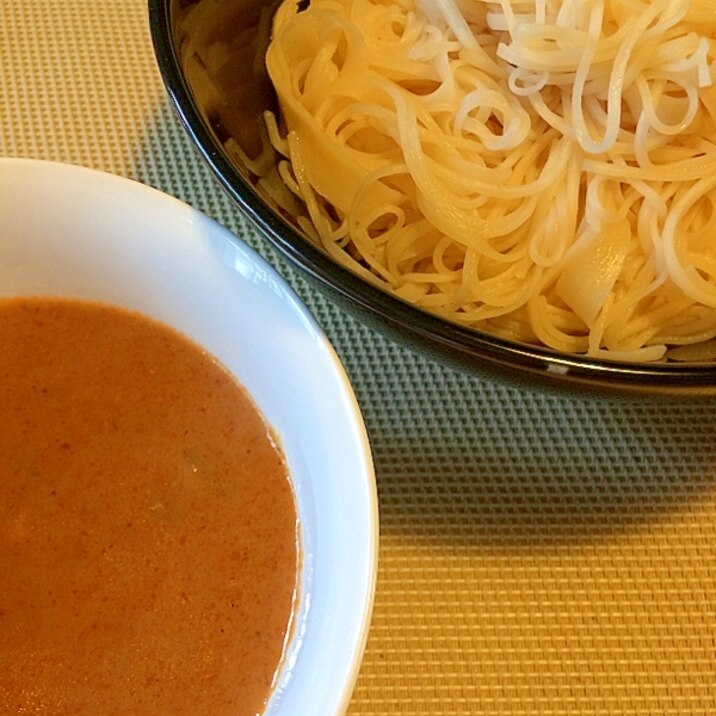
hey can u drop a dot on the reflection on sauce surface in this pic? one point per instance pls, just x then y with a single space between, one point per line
148 552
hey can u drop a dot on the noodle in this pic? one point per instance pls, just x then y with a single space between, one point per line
542 170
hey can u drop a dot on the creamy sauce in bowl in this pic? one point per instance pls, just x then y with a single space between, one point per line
148 529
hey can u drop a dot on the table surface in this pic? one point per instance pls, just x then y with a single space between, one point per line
539 554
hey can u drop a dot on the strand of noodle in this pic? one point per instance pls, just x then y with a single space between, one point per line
624 328
280 192
360 221
690 283
434 201
568 13
456 22
479 251
511 328
515 123
540 12
285 169
278 142
649 110
596 211
260 164
502 293
685 170
580 79
407 250
504 297
368 249
550 117
518 85
596 330
543 320
693 329
561 218
616 81
682 62
508 17
440 259
642 151
640 355
648 232
658 314
317 215
522 52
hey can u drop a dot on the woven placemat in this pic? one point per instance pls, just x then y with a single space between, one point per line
539 554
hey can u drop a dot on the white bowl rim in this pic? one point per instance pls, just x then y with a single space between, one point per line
74 196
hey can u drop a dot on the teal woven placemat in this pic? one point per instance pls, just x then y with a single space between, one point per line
539 554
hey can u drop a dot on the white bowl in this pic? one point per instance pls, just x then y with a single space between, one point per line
71 231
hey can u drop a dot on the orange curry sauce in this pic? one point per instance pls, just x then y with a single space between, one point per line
148 532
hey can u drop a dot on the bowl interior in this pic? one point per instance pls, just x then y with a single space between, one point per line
221 104
69 231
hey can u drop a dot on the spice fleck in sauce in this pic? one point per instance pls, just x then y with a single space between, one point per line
148 552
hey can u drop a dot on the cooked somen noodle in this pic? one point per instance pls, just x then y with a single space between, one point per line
544 170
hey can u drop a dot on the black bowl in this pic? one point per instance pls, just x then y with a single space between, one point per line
229 105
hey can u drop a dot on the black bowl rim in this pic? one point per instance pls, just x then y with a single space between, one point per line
465 343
